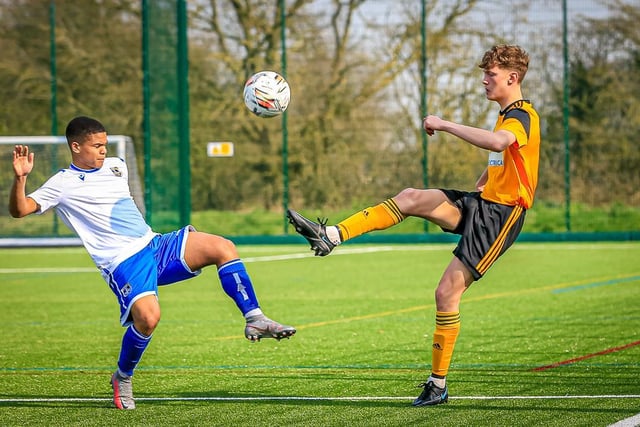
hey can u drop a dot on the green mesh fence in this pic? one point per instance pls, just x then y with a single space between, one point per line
589 180
166 137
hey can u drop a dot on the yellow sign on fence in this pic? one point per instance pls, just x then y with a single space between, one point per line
220 149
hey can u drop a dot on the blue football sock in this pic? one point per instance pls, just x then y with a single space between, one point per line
133 345
237 284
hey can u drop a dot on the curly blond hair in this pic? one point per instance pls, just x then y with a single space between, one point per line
507 57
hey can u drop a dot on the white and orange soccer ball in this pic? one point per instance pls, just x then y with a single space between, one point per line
267 94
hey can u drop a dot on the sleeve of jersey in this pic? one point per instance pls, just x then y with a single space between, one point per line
518 122
49 194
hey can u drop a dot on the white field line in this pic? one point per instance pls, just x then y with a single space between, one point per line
310 398
283 257
345 251
356 249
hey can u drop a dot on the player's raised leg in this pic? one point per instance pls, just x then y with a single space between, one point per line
315 233
430 204
204 249
323 238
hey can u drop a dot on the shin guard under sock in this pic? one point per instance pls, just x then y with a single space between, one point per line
237 284
444 341
133 346
379 217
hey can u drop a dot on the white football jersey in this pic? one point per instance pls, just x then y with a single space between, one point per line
97 205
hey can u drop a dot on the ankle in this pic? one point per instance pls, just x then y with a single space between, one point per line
333 234
438 381
256 312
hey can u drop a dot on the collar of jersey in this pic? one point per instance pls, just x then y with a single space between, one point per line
75 168
513 105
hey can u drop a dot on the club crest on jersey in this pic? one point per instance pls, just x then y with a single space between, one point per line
116 171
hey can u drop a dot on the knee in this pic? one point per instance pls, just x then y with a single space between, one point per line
147 321
447 298
226 249
408 194
407 199
205 249
440 295
147 325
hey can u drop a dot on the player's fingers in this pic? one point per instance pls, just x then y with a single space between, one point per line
21 150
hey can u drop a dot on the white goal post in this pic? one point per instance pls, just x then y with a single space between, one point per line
51 155
120 141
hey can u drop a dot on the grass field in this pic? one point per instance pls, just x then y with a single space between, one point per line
550 336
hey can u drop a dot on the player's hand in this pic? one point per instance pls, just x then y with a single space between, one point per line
22 161
431 124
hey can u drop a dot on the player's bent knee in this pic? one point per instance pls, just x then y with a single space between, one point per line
146 314
418 202
226 248
407 194
147 323
205 249
406 200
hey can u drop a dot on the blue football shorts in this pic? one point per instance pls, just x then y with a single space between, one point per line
161 262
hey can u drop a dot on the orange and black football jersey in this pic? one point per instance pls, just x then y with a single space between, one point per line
513 173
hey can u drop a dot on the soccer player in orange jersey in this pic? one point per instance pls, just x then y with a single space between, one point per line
488 219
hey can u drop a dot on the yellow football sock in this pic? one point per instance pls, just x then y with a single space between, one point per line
444 340
379 217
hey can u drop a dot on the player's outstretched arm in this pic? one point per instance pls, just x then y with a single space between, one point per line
494 141
19 204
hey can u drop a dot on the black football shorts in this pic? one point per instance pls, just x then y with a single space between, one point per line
487 229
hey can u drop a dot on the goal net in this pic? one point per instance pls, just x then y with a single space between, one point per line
51 155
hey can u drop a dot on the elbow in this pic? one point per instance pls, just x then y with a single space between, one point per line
501 141
501 147
21 208
15 213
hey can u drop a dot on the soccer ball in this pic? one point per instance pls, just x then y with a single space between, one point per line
267 94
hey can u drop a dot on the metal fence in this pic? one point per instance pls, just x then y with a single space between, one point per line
578 175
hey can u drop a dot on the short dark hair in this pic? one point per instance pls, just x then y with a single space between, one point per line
80 127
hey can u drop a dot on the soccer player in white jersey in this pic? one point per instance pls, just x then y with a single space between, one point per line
92 197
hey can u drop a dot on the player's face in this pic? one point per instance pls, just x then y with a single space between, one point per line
90 153
495 81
